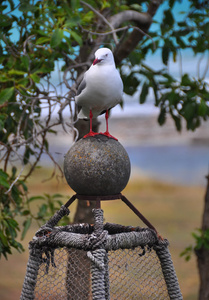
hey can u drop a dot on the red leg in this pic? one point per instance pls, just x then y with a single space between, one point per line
90 117
91 133
106 118
107 129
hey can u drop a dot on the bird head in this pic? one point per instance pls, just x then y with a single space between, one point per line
103 56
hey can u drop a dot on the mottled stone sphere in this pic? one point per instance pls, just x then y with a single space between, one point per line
97 166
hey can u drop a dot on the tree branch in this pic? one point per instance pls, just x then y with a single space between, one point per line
103 19
125 28
130 15
143 22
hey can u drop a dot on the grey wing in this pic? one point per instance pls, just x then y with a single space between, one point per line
81 87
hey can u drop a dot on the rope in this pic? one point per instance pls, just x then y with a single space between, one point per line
127 240
70 238
116 228
97 240
98 271
47 228
34 262
168 270
106 277
98 257
58 216
98 221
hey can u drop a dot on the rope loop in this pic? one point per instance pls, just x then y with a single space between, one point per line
97 257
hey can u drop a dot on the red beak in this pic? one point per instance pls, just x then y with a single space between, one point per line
96 61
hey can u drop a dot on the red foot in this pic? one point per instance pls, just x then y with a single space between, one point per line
106 133
91 133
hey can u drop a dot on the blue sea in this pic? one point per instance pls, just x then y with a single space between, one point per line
177 164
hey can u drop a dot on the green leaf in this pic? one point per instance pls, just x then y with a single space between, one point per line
3 174
131 82
162 117
205 28
46 144
180 41
168 18
25 7
202 108
87 18
56 38
25 188
42 40
35 77
13 223
185 81
41 32
35 198
25 61
177 121
11 232
135 58
57 196
174 55
188 111
6 94
2 121
75 4
23 82
3 239
76 37
144 93
173 98
136 6
42 211
16 72
165 54
26 226
187 253
4 182
25 212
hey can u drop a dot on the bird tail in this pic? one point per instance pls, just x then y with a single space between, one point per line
81 115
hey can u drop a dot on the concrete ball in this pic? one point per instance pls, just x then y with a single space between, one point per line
97 166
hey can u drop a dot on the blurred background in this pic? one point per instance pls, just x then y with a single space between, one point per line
167 182
167 185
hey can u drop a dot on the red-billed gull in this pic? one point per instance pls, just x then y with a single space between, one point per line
100 90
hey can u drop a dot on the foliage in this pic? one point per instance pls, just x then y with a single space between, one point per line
46 46
201 242
16 204
183 97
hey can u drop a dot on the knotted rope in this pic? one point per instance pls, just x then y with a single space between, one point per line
96 240
99 259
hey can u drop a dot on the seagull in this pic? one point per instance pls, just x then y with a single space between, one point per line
100 90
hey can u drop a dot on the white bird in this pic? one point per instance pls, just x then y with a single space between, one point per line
100 90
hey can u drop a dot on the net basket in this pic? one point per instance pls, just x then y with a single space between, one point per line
100 261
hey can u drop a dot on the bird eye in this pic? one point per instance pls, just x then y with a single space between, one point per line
106 54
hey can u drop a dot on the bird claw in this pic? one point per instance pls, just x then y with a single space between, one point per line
106 133
91 133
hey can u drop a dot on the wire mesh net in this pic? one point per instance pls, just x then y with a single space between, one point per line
136 274
133 274
68 277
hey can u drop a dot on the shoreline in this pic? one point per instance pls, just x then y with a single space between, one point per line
142 130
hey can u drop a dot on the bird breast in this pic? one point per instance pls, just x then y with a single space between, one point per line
104 85
103 90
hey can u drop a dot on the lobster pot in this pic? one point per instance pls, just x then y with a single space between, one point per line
100 261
